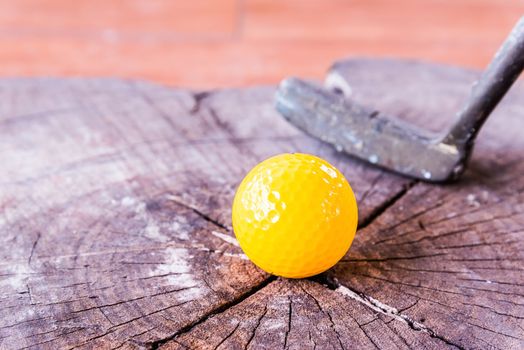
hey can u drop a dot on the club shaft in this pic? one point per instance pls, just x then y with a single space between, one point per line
493 84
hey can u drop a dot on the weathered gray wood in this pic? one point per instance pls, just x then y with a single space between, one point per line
300 314
450 255
115 223
442 264
115 200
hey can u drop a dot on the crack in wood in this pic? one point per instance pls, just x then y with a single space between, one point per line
166 292
434 301
489 290
197 211
289 315
393 258
311 340
484 208
491 281
398 335
199 98
38 235
468 321
25 321
114 328
31 302
379 210
31 117
409 307
73 330
493 310
125 342
328 314
372 186
396 268
369 322
253 333
474 245
413 216
390 311
406 284
157 343
228 336
367 335
434 237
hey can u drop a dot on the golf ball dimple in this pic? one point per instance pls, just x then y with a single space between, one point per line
294 215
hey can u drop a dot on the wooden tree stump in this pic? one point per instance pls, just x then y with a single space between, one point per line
115 227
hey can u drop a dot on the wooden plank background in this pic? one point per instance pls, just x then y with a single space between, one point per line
210 43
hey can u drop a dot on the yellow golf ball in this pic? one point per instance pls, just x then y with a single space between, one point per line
295 215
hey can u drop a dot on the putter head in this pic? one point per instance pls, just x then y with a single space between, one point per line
366 133
389 142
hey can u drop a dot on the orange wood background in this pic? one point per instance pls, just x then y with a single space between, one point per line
216 43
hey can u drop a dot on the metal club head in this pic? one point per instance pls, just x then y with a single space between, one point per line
390 142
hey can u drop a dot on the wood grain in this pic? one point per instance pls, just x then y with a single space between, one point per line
209 43
300 314
441 267
116 233
116 207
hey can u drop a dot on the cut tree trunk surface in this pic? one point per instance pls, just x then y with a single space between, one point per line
115 227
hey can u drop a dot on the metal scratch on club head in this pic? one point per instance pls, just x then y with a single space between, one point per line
389 142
